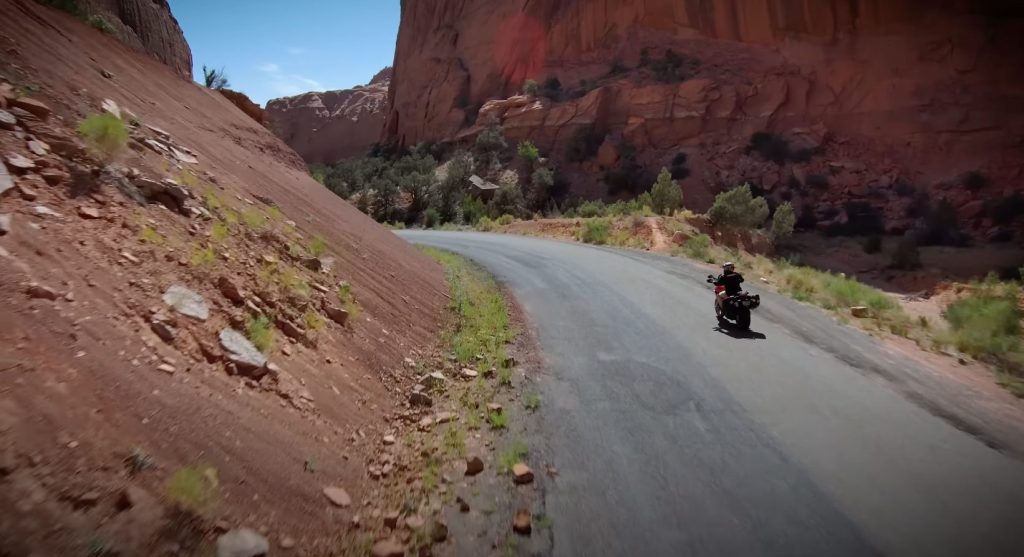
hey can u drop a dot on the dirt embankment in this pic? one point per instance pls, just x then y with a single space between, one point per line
92 382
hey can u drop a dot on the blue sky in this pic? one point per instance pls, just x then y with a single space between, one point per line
273 49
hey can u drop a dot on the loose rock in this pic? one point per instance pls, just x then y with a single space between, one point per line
6 182
389 439
32 106
391 519
433 380
521 473
241 352
287 543
439 531
36 290
338 496
243 542
468 373
166 368
474 465
5 224
415 522
187 302
387 548
417 398
522 524
230 290
163 330
19 163
89 212
53 176
38 148
494 408
27 193
336 314
445 417
7 121
463 505
44 211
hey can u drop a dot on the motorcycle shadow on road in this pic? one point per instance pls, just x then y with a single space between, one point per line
737 333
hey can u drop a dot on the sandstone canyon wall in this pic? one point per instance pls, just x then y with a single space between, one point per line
885 92
147 26
334 125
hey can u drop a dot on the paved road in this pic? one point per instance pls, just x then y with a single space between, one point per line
674 438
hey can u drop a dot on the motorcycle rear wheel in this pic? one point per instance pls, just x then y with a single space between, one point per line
743 319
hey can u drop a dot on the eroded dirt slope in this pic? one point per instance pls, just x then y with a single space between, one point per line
86 378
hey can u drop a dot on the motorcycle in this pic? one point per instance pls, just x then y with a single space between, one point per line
734 308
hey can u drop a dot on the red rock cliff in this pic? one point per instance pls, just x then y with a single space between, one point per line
148 26
916 89
327 127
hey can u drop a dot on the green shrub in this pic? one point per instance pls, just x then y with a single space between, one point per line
431 218
739 208
491 140
666 196
104 132
260 332
102 24
473 209
192 488
498 420
484 224
591 209
782 224
873 244
595 231
986 323
584 144
699 248
906 256
530 87
317 246
505 220
528 151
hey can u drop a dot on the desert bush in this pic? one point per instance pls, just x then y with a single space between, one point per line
591 209
595 231
783 223
260 332
986 323
541 182
491 140
584 144
873 244
508 199
552 88
105 132
317 246
505 220
699 248
666 196
776 149
530 87
100 23
485 224
739 208
906 256
528 151
214 78
192 488
473 209
941 227
431 218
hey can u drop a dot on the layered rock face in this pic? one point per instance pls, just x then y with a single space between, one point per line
148 26
245 104
334 125
883 93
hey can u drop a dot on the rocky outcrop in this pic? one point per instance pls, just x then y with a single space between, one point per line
330 126
148 26
905 91
245 104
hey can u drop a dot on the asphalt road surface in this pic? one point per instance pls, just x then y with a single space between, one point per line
673 437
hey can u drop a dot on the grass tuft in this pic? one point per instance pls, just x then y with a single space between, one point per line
532 402
498 420
193 488
516 452
105 132
261 333
150 235
595 231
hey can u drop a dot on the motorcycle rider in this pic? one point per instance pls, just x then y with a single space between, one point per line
731 280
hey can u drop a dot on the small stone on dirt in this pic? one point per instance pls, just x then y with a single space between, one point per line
36 290
494 408
522 523
521 473
38 148
287 543
389 439
433 380
243 542
474 465
166 368
230 290
20 163
439 531
415 522
468 373
44 211
6 182
163 330
445 417
5 224
338 496
391 519
187 302
336 314
32 106
130 258
463 505
27 193
387 548
7 120
240 351
89 212
417 398
860 311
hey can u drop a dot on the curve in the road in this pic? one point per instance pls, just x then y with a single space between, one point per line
675 437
